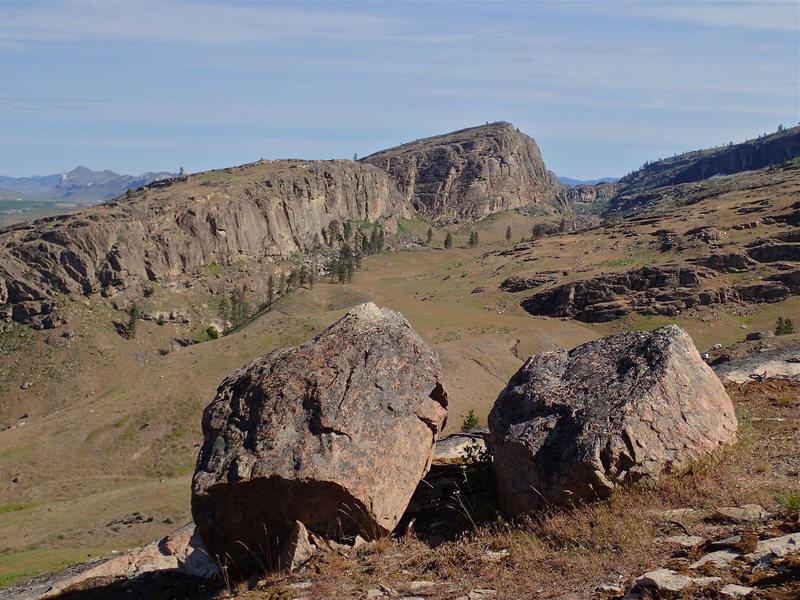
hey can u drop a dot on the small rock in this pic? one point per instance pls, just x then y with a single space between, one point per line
669 580
677 514
720 558
737 591
739 514
298 550
16 479
766 550
373 593
25 385
359 542
759 335
684 541
663 579
496 555
420 586
299 585
609 588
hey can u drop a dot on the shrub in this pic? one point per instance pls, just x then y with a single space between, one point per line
784 326
470 421
212 332
789 500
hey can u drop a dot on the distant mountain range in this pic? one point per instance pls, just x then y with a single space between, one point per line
80 186
573 182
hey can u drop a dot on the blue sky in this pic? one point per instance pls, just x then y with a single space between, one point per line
601 86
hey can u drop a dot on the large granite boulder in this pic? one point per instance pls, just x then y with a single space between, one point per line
335 433
572 426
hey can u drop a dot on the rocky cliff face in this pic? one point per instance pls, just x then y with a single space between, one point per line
171 227
469 174
725 160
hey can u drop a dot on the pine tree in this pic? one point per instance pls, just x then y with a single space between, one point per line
334 232
473 238
448 241
347 230
380 240
373 241
281 282
429 237
133 319
562 227
302 274
344 266
312 273
508 234
240 308
537 231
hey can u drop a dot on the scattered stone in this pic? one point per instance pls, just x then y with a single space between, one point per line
678 514
182 550
135 518
759 335
420 586
736 591
493 555
573 426
335 433
738 514
298 550
609 588
777 363
718 558
766 550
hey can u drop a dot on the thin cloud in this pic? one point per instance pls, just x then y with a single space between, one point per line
203 24
764 15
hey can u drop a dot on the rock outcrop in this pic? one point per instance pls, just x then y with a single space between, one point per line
241 214
652 290
471 173
591 198
572 426
725 160
335 433
663 290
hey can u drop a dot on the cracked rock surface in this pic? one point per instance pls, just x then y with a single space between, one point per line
335 433
572 426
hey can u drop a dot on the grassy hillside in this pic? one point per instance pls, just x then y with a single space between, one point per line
95 427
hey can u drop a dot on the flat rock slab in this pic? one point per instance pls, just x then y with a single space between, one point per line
335 433
780 363
572 426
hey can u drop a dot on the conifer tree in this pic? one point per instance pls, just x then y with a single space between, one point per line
448 241
429 237
508 234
